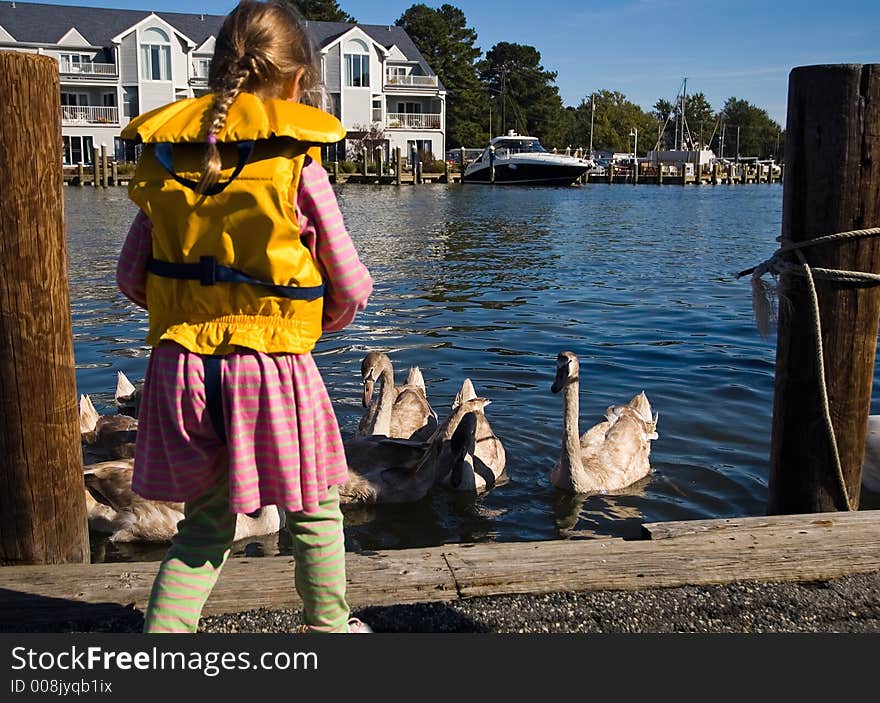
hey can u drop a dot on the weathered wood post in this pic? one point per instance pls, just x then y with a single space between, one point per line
364 164
336 172
115 173
380 166
105 171
81 174
461 162
659 172
833 144
96 167
42 500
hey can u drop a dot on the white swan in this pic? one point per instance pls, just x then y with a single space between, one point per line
609 456
115 509
403 411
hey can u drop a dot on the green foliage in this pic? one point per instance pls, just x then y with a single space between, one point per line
525 96
614 120
348 167
320 10
447 43
758 135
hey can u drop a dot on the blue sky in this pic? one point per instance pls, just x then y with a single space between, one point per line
643 48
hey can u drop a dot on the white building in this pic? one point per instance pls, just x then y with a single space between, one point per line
116 64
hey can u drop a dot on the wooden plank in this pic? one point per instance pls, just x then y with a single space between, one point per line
676 528
785 548
797 552
43 594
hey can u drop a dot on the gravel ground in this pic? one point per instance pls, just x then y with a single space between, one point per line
849 604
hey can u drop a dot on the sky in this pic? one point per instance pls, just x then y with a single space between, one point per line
645 48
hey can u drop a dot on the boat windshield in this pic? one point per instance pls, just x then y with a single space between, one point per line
519 146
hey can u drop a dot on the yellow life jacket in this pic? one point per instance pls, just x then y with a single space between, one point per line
228 268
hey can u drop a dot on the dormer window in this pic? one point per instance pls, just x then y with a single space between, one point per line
155 55
357 64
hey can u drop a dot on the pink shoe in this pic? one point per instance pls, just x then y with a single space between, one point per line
358 627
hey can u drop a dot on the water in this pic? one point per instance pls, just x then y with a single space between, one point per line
491 283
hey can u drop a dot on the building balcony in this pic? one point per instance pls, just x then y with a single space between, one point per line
413 120
198 81
393 80
87 114
86 70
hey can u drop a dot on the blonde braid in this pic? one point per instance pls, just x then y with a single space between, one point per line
216 120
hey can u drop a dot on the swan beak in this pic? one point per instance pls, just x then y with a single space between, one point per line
368 391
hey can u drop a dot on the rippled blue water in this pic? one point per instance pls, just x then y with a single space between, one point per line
491 283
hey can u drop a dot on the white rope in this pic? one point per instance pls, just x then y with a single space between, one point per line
762 304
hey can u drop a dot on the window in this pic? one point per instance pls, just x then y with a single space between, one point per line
130 102
201 68
357 64
109 99
410 108
74 63
155 55
396 74
78 150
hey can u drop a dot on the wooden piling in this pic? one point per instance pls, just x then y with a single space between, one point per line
833 145
115 173
81 174
104 170
42 499
379 163
96 167
398 165
336 172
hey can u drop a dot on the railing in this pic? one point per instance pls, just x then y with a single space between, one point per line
87 68
410 80
198 80
85 114
413 120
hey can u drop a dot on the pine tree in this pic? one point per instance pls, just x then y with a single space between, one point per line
321 10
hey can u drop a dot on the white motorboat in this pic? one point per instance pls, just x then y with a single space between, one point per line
517 160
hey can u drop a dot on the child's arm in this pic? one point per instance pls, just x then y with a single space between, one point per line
131 269
348 283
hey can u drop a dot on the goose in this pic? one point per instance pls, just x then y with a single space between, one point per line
105 437
468 454
114 509
398 412
128 395
609 456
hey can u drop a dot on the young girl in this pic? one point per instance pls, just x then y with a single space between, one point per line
241 257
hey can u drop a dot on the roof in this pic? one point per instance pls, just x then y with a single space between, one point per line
38 23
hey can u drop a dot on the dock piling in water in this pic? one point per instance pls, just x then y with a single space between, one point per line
42 498
833 185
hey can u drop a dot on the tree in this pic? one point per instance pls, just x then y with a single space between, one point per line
447 43
320 10
525 96
758 135
614 120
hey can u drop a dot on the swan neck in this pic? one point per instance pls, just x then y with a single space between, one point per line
382 423
571 445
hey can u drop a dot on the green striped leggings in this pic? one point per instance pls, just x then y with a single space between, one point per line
202 545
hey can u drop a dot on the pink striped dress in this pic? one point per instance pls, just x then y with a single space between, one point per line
283 442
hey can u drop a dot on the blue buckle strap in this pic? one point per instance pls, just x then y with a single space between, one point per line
208 272
214 394
164 153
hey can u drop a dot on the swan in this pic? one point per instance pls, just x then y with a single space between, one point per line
400 412
384 470
609 456
115 509
468 473
468 454
871 462
128 395
105 437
